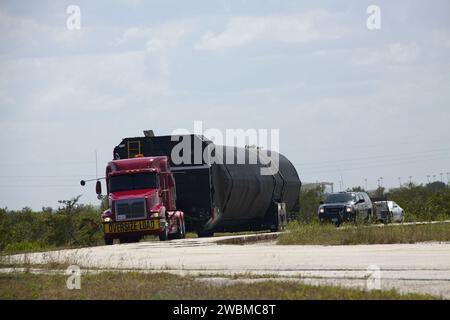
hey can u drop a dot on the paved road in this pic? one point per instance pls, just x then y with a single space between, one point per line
423 268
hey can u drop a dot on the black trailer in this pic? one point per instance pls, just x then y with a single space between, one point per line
219 196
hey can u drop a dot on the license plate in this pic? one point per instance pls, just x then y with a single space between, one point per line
131 226
334 219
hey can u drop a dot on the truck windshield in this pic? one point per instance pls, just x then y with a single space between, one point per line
134 181
340 197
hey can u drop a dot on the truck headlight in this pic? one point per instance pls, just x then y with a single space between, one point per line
348 209
154 214
107 219
321 210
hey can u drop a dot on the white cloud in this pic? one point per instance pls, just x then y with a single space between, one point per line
244 30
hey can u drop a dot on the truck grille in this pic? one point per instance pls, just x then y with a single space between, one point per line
333 210
130 209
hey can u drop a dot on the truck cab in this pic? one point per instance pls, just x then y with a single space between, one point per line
141 200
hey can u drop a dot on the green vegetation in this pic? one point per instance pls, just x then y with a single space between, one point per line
316 234
421 202
71 225
309 201
166 286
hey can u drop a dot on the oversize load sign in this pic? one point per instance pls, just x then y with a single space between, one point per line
131 226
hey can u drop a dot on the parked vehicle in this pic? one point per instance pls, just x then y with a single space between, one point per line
142 201
221 196
397 213
346 207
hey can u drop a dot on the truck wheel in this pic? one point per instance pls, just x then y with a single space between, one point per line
109 241
164 236
181 232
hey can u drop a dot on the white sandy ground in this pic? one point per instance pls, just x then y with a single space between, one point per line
420 268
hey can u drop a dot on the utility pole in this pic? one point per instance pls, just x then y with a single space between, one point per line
428 177
410 181
442 180
381 182
434 177
400 182
365 183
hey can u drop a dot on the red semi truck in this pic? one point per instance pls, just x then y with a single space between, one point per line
142 201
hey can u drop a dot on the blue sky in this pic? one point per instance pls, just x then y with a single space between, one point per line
349 102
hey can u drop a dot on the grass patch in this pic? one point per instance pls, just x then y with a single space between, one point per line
26 246
316 234
166 286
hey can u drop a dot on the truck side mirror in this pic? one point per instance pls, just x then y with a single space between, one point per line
321 202
98 187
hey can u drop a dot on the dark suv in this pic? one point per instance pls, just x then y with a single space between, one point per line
346 206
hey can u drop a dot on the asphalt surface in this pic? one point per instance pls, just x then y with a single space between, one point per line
421 268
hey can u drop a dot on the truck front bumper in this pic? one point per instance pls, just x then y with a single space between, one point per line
335 217
133 227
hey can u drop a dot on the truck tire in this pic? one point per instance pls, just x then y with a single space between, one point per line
109 241
164 236
181 232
